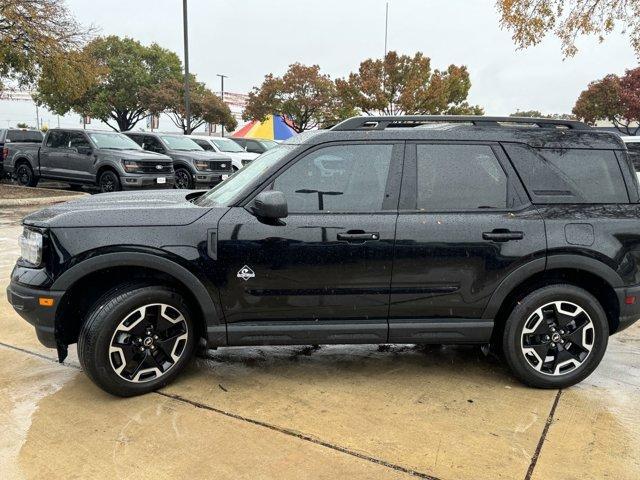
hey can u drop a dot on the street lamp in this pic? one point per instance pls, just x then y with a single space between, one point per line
187 104
222 77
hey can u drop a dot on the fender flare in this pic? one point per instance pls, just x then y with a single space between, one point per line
214 326
552 262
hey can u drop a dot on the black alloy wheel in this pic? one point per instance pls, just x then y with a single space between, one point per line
25 176
184 179
109 182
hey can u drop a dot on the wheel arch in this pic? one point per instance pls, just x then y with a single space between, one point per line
110 269
592 275
104 168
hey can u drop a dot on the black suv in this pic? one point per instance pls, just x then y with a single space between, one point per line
518 233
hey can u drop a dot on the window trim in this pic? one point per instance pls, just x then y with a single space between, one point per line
392 187
516 195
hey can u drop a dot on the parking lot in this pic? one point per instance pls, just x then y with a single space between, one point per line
296 412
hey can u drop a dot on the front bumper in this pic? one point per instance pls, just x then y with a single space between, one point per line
26 302
629 312
135 182
209 179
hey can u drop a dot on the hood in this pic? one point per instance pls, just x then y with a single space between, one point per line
122 209
198 155
242 155
139 155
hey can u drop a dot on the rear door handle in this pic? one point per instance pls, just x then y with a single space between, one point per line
502 235
358 236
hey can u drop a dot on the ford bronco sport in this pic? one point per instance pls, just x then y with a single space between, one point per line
518 233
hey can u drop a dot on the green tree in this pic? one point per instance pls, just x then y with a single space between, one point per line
113 82
530 21
613 98
31 32
303 96
205 106
405 85
538 114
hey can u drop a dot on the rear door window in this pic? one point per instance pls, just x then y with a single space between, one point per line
459 178
58 139
569 175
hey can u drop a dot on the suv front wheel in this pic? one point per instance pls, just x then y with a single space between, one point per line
556 336
137 339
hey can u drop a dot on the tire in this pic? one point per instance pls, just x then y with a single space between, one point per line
25 176
183 179
121 354
548 320
109 182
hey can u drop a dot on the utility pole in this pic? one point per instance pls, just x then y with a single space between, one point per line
187 104
222 77
37 117
386 29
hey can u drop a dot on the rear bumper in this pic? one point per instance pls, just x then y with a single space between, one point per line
135 182
25 301
629 312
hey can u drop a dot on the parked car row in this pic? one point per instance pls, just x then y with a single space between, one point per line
119 161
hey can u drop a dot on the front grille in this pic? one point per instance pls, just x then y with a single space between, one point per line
246 162
221 165
153 167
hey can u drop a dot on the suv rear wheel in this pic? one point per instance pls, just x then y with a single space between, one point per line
109 182
556 336
25 175
137 339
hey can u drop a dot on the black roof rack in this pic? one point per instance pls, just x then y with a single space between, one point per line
410 121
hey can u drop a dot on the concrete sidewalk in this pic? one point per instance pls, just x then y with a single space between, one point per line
290 412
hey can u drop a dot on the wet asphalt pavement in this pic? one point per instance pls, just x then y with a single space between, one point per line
292 412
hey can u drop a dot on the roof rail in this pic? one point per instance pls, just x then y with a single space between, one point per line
410 121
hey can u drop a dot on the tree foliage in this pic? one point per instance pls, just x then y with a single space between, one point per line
538 114
108 80
401 84
531 20
613 98
205 106
303 96
32 32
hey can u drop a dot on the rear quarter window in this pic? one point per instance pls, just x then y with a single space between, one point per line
569 175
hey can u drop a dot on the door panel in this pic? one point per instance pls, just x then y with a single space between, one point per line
320 275
448 263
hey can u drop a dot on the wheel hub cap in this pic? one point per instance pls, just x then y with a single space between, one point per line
148 342
557 338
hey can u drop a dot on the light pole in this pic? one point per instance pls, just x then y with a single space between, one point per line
222 77
187 105
386 29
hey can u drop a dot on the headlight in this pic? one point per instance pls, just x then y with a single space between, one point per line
131 166
31 246
201 165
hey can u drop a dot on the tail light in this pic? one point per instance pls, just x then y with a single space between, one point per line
5 152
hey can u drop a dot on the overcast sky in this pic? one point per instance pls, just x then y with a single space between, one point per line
246 39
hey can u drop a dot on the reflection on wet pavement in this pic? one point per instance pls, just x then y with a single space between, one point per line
295 412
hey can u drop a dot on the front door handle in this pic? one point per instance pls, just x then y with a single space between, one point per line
502 235
358 236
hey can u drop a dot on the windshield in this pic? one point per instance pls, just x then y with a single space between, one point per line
181 143
227 145
116 141
224 194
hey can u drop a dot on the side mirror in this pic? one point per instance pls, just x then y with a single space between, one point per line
84 149
271 205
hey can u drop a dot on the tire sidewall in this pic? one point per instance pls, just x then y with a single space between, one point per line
512 336
102 323
29 170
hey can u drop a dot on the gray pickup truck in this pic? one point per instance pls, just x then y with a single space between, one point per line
194 167
109 160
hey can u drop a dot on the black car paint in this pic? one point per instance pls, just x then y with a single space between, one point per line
426 278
